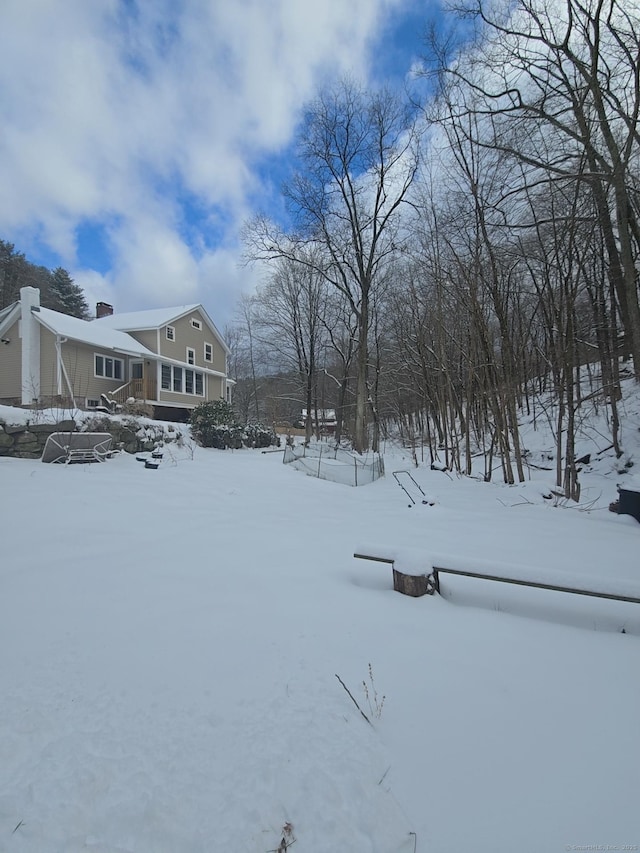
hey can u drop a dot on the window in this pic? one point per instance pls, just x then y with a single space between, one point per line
191 356
181 380
196 324
166 377
208 352
91 403
171 333
108 367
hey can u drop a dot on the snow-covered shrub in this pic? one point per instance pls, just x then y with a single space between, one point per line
258 435
214 425
137 408
98 423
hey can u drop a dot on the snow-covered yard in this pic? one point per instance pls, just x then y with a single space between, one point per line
170 640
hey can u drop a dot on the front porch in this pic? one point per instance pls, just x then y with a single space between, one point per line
144 389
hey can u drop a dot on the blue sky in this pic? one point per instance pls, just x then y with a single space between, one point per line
139 135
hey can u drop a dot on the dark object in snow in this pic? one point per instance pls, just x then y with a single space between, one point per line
408 485
157 454
614 506
629 502
69 447
153 465
436 465
141 458
432 580
414 585
584 460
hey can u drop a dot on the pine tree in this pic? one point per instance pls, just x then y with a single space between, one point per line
66 296
10 261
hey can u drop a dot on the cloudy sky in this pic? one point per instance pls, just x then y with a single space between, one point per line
137 136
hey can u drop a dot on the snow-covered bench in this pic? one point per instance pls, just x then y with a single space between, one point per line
78 447
415 575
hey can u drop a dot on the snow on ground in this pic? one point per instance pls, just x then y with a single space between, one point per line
170 640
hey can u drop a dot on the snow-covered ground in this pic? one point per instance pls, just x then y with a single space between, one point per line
170 641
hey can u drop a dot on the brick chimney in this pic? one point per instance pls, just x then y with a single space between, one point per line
103 309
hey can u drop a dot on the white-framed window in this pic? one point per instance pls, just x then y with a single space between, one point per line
166 377
181 380
108 367
91 403
208 352
191 356
196 324
171 333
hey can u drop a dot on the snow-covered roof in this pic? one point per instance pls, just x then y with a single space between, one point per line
9 314
153 318
91 333
323 414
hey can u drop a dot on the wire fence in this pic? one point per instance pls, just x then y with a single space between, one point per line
335 464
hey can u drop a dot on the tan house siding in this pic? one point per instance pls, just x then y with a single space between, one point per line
11 364
215 388
186 336
79 362
187 400
48 372
147 337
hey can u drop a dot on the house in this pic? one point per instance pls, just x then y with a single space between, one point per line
170 358
324 419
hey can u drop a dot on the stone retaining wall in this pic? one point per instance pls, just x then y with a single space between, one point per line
27 441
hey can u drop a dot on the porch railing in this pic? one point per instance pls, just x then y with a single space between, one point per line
139 389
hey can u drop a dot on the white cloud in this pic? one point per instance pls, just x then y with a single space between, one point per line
119 110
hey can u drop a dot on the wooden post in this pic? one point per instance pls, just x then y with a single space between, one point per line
414 585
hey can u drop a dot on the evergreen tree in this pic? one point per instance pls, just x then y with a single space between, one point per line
10 261
66 296
57 289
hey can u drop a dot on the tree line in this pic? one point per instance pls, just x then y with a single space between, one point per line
453 262
57 289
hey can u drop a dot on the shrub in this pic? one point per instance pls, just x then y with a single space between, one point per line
97 423
137 408
258 435
214 425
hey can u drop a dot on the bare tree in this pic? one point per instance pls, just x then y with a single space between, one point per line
557 86
290 313
359 155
